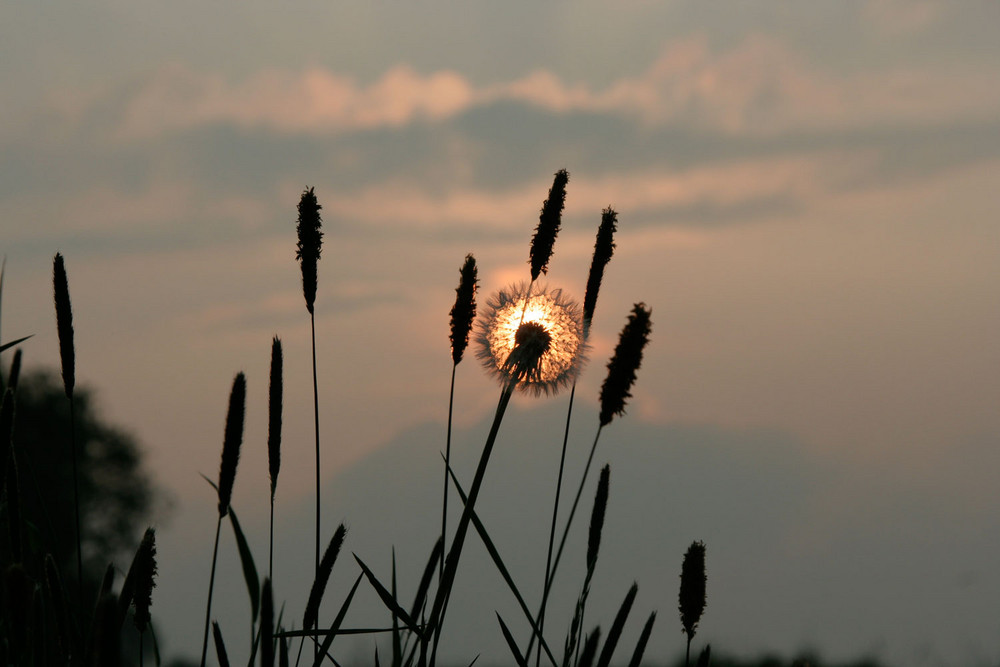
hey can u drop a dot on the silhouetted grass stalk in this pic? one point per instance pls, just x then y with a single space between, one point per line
308 249
569 522
463 313
274 406
227 476
67 355
436 620
604 247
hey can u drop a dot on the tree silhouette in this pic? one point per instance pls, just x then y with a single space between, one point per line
116 494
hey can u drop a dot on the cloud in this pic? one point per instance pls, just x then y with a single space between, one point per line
730 186
757 87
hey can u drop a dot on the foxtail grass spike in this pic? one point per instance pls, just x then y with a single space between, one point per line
64 324
267 626
319 584
548 225
232 441
597 518
691 600
624 364
274 407
604 247
310 244
145 579
463 313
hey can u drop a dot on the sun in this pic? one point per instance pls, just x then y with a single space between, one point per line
560 318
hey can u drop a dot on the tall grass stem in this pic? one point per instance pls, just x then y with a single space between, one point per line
211 587
447 463
312 322
569 522
555 514
451 566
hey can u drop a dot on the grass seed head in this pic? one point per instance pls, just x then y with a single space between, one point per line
548 225
319 583
624 363
64 324
232 441
145 575
274 408
463 313
691 601
310 243
604 247
597 518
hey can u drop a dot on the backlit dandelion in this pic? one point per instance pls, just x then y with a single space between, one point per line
550 332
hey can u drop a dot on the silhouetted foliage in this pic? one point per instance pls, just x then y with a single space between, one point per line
116 494
805 659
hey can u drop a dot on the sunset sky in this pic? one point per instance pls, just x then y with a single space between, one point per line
807 197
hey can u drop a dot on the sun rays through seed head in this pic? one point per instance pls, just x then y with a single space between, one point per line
541 351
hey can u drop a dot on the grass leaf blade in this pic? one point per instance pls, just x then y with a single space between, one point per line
388 599
249 568
518 658
615 633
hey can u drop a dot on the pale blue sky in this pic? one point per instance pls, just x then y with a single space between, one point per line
807 200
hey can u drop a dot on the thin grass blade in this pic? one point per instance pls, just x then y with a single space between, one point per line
615 633
397 643
640 646
249 568
220 645
511 644
425 580
12 343
388 600
332 633
590 648
501 567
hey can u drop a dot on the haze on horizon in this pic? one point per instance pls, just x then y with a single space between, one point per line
807 201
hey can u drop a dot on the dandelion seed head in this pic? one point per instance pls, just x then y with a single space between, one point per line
543 350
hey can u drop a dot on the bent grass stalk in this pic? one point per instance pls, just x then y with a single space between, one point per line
436 619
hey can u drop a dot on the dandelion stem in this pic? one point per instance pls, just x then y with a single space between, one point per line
569 522
211 586
451 566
